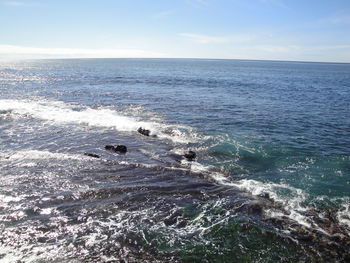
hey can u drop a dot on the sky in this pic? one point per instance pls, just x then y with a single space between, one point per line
294 30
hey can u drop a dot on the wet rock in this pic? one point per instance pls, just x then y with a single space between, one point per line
190 155
41 240
338 237
121 148
331 215
176 157
33 211
117 148
144 132
181 224
256 209
92 155
172 219
265 195
302 233
110 147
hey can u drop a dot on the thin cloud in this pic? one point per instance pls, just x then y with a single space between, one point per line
278 48
332 47
278 3
205 39
198 3
345 19
35 52
162 14
20 4
298 48
338 18
14 3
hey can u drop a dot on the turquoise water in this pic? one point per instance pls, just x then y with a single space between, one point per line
260 127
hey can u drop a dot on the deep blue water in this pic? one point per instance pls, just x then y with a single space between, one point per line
281 128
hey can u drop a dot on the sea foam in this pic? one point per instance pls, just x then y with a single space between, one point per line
64 113
293 199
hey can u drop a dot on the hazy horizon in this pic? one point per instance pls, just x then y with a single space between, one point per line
276 30
170 58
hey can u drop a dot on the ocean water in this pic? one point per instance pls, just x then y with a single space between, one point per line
270 183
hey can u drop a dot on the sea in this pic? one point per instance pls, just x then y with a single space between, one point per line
270 181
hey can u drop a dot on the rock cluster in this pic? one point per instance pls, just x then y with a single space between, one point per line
144 131
122 149
117 148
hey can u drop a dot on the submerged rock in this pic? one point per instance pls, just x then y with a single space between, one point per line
176 157
117 148
109 147
190 155
144 131
121 148
265 195
92 155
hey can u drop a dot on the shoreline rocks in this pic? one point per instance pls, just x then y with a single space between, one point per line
92 155
190 155
143 131
117 148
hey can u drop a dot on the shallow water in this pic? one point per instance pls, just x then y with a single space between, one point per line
270 181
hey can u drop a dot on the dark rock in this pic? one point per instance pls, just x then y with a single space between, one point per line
265 195
181 224
144 131
172 219
176 157
117 148
92 155
121 148
253 208
256 209
190 155
109 147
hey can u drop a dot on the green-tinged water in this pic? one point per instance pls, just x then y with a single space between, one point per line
270 181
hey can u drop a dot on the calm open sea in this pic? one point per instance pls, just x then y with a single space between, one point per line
270 183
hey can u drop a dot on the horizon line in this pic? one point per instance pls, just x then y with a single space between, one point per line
179 58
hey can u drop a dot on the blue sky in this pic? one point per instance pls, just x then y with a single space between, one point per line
301 30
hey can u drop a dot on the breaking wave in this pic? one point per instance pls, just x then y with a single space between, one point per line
293 200
63 113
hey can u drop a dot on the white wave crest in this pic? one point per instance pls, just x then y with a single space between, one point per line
35 155
63 113
343 214
291 198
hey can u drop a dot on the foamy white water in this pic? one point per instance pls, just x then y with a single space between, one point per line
63 113
34 154
293 202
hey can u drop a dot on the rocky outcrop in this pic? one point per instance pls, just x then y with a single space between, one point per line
92 155
143 131
190 155
117 148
